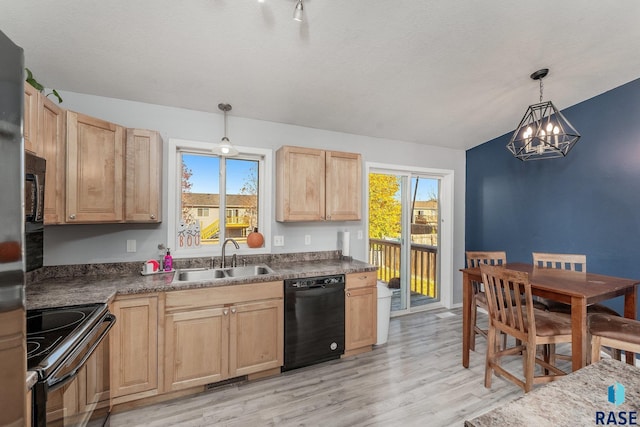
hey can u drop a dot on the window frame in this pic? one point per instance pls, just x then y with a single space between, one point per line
174 188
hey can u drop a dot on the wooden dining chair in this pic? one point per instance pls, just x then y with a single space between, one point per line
479 299
573 262
617 333
511 312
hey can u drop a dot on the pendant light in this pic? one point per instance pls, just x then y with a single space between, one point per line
297 12
543 132
225 148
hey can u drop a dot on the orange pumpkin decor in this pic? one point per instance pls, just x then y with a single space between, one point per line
255 239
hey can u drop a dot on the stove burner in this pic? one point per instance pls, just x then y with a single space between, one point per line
31 347
48 321
50 345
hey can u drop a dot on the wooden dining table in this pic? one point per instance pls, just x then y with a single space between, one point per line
579 289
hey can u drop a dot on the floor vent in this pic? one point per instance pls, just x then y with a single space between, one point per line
225 383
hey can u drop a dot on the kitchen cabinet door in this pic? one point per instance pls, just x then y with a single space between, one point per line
95 159
143 180
30 120
343 186
63 403
256 337
361 317
318 185
134 347
51 134
197 347
94 384
300 188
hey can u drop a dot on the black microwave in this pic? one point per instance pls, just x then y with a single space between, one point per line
34 185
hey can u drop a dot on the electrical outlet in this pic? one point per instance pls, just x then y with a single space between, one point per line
307 239
131 245
359 234
278 240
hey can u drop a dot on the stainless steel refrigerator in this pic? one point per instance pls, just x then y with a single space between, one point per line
12 253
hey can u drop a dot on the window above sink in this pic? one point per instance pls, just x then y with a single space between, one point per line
213 198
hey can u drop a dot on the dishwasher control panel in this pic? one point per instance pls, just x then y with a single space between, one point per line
312 282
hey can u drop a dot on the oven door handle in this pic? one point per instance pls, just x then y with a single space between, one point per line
110 319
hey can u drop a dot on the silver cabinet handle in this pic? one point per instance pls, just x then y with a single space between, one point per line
348 294
153 216
72 216
225 312
233 310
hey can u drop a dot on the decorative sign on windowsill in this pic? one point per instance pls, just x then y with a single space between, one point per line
188 235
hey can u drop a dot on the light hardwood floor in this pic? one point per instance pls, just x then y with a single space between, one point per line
416 379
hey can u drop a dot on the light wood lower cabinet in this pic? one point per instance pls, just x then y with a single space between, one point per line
256 337
134 347
196 347
13 366
28 408
63 403
94 380
241 335
361 312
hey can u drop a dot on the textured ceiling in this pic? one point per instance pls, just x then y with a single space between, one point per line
451 73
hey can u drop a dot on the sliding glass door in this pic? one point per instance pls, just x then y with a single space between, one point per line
404 218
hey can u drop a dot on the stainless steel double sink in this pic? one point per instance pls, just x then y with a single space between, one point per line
193 274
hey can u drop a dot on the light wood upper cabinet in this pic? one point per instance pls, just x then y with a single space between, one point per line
30 124
133 341
343 186
143 170
300 187
95 174
51 134
361 312
318 185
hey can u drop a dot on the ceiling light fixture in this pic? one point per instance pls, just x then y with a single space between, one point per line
543 132
225 148
297 12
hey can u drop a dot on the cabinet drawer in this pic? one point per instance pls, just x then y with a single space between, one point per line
206 297
361 280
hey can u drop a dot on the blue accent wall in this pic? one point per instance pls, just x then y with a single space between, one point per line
587 202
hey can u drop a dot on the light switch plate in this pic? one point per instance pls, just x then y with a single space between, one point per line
278 240
131 245
307 239
359 234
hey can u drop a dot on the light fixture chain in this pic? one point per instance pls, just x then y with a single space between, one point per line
541 88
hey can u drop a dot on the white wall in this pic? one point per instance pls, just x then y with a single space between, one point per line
78 244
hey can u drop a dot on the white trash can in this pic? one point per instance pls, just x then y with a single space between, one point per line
384 312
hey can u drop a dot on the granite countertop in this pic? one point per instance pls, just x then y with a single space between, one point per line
85 289
573 400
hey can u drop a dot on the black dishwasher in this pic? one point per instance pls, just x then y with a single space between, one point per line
313 320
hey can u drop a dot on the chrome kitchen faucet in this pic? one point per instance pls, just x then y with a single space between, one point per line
233 262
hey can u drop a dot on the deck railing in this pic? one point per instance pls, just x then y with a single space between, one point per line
386 255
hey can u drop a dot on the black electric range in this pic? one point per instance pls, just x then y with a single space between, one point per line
59 342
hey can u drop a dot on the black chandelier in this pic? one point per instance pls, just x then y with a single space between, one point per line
543 132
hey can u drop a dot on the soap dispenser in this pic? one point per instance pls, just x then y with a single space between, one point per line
168 261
